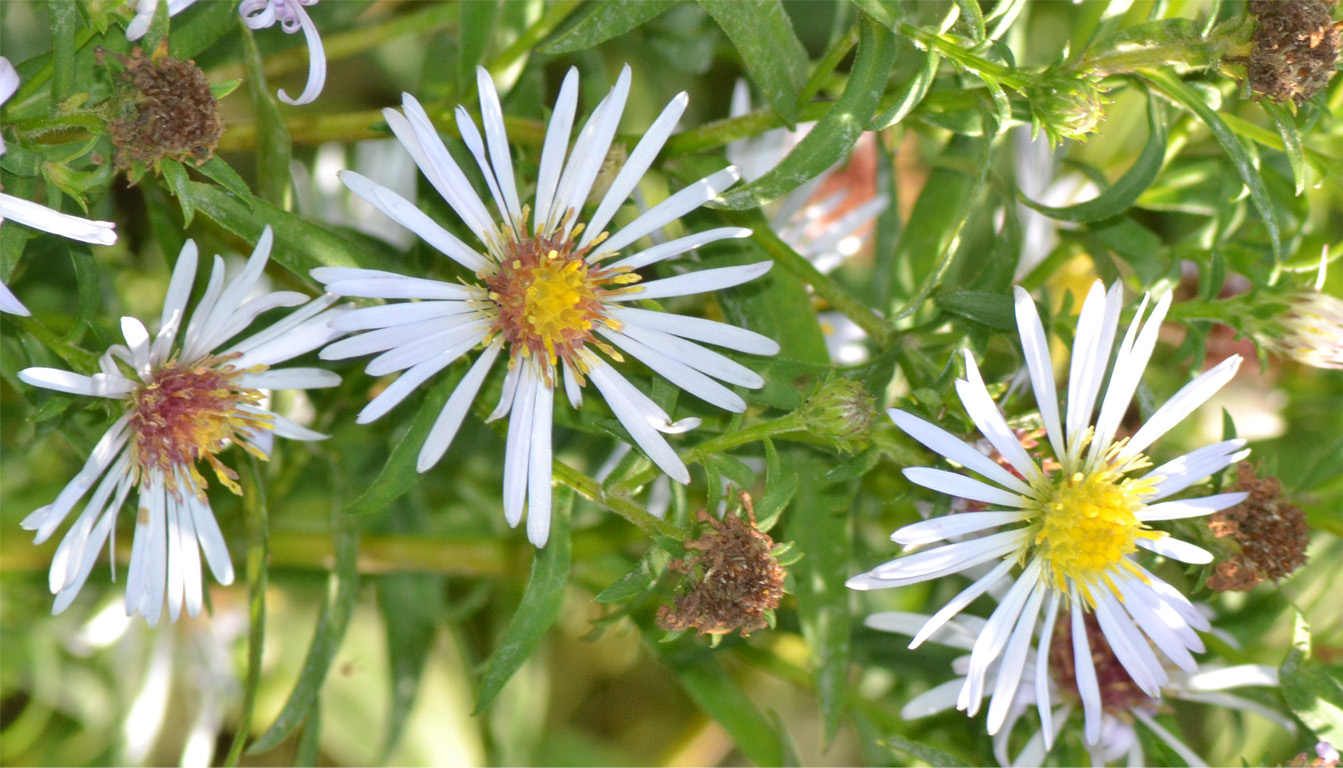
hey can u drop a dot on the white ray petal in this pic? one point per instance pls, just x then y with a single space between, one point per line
1175 510
97 385
1174 410
1128 370
492 117
1084 672
949 558
989 646
450 418
45 520
631 407
961 486
405 213
959 602
519 447
944 443
290 378
985 414
316 60
1035 346
40 217
669 210
1175 549
554 149
698 329
1194 466
702 281
1128 643
1042 680
693 355
947 526
680 245
1096 326
539 466
1014 660
678 373
589 153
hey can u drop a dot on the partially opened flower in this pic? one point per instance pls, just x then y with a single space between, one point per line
39 216
1073 526
551 293
182 403
1124 708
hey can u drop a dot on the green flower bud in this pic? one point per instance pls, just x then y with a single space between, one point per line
1065 105
841 411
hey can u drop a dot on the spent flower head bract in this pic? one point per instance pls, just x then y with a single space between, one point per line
550 294
1074 522
39 216
184 399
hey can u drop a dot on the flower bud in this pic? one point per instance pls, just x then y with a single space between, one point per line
1311 331
1065 105
840 411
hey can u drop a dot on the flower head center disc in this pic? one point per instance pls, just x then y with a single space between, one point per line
1087 523
549 300
188 413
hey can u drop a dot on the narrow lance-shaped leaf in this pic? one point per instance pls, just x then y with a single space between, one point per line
1291 142
1312 690
539 607
715 692
774 58
1179 92
476 31
1126 190
274 145
605 21
398 475
837 131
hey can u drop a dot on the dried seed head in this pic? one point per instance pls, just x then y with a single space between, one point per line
1296 44
736 582
1269 534
163 107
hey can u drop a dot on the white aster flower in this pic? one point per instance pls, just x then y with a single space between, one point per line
1074 530
551 292
183 404
1124 708
259 14
39 216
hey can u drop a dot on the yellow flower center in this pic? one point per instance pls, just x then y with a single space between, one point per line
1087 523
188 413
546 301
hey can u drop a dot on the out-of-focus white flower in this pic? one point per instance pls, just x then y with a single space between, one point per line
1036 165
552 291
39 216
183 404
1123 706
259 14
814 228
1074 529
321 195
144 15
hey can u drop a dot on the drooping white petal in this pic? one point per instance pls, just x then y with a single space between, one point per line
10 304
1162 627
942 442
406 383
631 407
519 446
539 466
137 341
1128 644
392 337
416 351
702 281
176 560
958 603
45 520
1042 681
1084 671
97 385
989 645
1221 678
1013 663
316 59
939 698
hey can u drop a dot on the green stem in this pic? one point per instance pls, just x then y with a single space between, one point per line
1182 54
825 286
256 517
756 432
949 49
79 360
617 503
827 65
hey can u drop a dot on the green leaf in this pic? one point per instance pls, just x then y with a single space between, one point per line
973 18
992 309
273 143
539 607
887 12
475 33
1138 245
911 94
819 523
933 756
175 176
638 580
256 520
1312 690
1179 92
223 89
719 696
399 475
206 25
1126 190
89 283
773 56
780 487
300 246
837 131
342 592
222 173
605 21
1291 141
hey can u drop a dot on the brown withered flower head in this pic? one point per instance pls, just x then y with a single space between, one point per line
1296 45
1269 533
736 581
163 107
